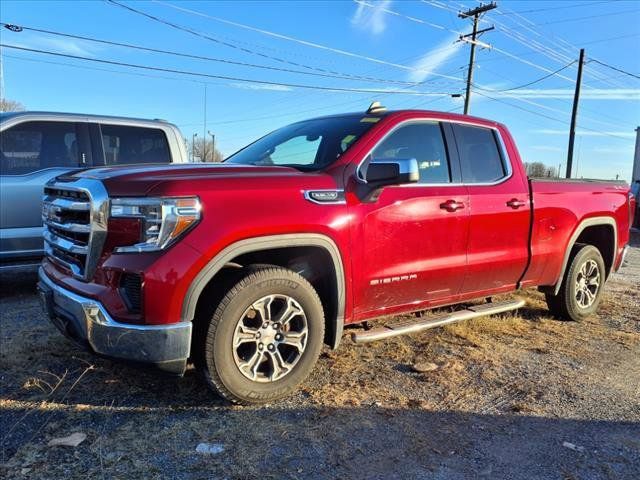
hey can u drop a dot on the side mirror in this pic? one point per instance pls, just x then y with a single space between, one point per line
391 171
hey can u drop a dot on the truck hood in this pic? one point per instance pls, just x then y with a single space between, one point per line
139 180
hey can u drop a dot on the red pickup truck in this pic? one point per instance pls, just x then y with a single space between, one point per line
247 267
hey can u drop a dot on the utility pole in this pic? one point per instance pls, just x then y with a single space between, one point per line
193 147
213 146
475 13
574 115
204 125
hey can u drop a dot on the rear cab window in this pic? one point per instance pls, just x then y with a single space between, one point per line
32 146
126 145
481 158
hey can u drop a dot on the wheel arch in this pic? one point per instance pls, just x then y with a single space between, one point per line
602 233
252 248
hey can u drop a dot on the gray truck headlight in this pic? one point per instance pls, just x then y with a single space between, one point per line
162 220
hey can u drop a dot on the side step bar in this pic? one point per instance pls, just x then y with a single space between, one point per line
413 326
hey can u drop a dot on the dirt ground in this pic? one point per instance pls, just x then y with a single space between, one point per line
520 396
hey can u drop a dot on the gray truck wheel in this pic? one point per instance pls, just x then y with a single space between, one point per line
582 285
264 338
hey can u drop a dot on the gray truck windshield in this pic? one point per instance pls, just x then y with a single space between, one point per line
309 145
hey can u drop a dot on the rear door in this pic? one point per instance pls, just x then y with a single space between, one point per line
498 246
31 153
129 145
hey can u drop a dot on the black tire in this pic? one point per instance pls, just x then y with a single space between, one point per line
218 358
569 304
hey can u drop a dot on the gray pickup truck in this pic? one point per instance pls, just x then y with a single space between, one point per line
37 146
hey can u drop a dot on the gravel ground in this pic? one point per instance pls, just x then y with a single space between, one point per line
519 396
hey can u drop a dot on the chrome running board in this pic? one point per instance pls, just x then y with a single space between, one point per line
414 326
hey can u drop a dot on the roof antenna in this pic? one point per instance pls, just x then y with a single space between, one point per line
376 107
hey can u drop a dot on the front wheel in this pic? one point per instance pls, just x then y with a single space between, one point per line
582 285
264 337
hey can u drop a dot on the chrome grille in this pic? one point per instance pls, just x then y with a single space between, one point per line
74 213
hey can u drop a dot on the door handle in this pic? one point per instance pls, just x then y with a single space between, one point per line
451 205
515 203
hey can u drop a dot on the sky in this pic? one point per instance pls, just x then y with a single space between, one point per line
313 58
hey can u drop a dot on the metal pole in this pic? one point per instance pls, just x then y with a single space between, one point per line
574 115
204 125
213 146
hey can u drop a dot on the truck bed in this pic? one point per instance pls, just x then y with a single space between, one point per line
560 207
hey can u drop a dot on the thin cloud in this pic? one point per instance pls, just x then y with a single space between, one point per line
621 150
567 93
434 59
60 45
252 86
587 133
547 148
371 16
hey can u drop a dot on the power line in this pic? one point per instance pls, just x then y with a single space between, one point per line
614 68
225 77
201 57
100 69
515 57
407 17
273 34
225 122
536 46
548 117
611 38
218 41
307 43
566 20
528 42
555 7
526 84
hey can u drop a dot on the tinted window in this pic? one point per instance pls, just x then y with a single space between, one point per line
126 145
422 141
33 146
308 145
479 155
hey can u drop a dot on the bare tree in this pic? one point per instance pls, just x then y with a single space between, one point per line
7 105
540 170
203 151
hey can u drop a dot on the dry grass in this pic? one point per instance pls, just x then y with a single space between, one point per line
359 399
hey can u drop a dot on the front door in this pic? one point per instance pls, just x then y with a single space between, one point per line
410 243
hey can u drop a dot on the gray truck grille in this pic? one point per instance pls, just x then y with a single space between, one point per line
74 218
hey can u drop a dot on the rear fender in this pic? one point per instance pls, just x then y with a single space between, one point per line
584 224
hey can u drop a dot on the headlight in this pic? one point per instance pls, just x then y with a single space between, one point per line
162 220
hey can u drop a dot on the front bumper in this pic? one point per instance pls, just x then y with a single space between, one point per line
88 323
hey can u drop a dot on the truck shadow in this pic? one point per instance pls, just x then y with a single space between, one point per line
320 443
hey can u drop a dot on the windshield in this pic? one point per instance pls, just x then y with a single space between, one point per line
309 145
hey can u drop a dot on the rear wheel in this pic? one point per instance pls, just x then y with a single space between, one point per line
581 289
264 338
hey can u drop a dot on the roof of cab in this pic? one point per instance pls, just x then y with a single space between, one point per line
393 113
